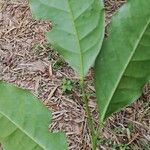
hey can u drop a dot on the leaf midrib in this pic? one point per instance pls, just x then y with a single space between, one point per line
20 128
77 39
125 67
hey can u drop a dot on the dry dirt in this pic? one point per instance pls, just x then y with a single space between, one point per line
27 61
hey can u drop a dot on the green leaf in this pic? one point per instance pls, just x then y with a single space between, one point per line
78 29
123 65
24 122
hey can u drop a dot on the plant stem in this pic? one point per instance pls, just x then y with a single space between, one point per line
89 115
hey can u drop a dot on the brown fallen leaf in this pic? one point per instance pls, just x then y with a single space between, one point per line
35 66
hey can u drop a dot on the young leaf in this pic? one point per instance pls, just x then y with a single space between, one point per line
24 122
78 29
123 65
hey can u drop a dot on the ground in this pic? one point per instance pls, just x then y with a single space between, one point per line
29 62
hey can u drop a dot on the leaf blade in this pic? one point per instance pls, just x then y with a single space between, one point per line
126 33
77 26
24 122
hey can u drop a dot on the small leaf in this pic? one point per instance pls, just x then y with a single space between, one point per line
24 122
78 29
67 85
123 65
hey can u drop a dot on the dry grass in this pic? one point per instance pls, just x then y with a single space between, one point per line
27 60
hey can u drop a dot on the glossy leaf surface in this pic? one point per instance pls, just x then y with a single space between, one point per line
123 65
78 29
24 122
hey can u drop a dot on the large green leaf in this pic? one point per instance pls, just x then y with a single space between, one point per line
78 29
24 122
123 65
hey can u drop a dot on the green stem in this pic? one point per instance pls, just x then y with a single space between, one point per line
93 134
